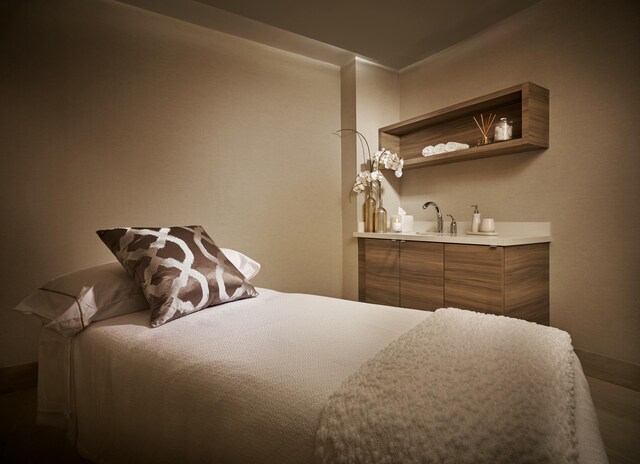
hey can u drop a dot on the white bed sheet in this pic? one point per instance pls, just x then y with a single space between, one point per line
242 382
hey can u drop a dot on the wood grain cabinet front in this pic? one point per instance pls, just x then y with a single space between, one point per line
401 273
379 281
474 277
510 281
421 275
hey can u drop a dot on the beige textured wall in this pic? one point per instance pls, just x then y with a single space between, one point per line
113 116
586 184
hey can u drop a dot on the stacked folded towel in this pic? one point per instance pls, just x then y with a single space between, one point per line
453 146
429 150
443 148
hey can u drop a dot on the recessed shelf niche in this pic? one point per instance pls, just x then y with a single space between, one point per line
527 105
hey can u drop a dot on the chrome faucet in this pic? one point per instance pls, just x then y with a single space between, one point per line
433 203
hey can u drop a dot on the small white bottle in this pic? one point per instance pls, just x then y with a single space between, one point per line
475 223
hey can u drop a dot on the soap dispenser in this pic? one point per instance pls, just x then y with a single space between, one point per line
475 223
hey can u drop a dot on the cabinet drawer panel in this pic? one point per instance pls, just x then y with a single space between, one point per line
422 275
382 272
526 282
473 278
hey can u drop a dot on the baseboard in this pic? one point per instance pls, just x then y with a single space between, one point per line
615 371
19 377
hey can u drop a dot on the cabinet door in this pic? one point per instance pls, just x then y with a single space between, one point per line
379 272
526 282
422 275
473 277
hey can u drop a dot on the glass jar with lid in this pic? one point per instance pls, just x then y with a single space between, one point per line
503 130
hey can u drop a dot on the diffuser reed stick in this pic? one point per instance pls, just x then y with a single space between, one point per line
485 128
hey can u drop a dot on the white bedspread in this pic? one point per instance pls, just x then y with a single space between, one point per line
242 382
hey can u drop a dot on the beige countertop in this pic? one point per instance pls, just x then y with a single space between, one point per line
508 234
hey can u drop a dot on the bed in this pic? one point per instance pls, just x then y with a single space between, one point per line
297 378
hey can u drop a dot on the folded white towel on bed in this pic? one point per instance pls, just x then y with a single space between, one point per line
453 146
459 387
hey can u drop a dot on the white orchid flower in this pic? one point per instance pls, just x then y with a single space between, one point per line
380 159
363 176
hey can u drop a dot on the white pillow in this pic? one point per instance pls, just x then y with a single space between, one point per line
70 303
243 263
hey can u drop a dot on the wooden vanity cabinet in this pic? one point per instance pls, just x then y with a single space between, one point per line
505 280
401 273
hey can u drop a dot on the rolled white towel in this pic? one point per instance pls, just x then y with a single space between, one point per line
453 146
429 150
440 148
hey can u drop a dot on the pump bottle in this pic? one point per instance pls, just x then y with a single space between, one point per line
475 223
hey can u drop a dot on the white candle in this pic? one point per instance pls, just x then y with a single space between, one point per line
396 223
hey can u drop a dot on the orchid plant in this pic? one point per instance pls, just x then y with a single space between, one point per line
366 179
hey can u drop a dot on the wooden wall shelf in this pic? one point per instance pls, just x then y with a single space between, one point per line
527 105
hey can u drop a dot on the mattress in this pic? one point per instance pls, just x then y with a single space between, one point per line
241 382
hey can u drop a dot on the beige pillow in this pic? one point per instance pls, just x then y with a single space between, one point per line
179 269
69 303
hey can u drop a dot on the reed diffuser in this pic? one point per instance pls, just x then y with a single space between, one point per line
485 128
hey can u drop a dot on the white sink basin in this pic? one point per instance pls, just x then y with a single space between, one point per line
426 233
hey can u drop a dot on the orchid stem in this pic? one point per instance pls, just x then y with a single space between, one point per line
361 138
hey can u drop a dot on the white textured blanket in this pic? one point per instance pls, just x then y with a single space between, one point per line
459 387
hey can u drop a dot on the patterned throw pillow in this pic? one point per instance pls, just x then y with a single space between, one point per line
179 269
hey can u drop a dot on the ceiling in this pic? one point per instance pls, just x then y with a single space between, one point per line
394 34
